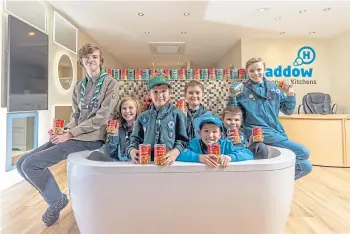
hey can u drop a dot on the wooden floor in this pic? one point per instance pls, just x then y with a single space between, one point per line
321 206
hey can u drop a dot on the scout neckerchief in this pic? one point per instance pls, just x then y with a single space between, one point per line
191 115
161 114
94 102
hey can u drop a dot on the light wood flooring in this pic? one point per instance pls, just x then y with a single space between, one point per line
321 206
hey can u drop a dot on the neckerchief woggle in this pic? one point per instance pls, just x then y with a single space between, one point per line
93 103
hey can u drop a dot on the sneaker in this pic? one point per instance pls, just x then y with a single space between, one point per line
52 213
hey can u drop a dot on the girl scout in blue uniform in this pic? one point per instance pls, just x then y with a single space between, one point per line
261 102
163 123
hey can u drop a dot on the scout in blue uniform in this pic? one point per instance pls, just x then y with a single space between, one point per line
232 117
194 91
210 132
118 141
261 102
163 123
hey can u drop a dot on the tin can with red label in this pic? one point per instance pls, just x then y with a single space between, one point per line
166 73
123 74
144 154
241 74
182 74
236 136
214 149
212 74
112 126
181 105
196 74
152 72
58 126
109 71
138 74
227 73
159 153
258 135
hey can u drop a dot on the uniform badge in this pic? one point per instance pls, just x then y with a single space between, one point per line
278 91
171 134
251 95
144 119
144 129
95 104
273 90
171 124
113 96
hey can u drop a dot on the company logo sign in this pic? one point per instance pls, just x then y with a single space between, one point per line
305 56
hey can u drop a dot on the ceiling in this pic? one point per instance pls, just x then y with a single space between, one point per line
212 28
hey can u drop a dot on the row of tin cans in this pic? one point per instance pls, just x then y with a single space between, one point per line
179 74
145 153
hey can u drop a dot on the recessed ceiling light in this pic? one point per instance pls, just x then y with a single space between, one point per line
183 32
312 33
141 14
31 34
327 9
278 18
186 14
281 33
147 32
263 9
302 11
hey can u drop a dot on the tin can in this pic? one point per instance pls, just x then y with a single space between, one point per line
219 74
196 74
236 136
258 135
166 73
204 74
236 88
116 74
109 71
145 74
182 74
159 153
214 149
138 74
144 154
174 74
241 74
189 75
181 105
131 74
124 74
283 84
112 126
58 126
152 72
234 74
212 74
227 73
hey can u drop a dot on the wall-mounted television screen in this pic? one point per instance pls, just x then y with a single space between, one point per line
28 67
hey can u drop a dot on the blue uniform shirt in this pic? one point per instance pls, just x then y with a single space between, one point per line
261 104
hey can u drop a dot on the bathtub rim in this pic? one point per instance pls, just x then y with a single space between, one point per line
78 160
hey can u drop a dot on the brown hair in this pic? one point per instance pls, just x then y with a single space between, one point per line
254 60
194 83
236 110
89 49
138 106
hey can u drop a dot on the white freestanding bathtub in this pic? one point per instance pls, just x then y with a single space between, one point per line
252 197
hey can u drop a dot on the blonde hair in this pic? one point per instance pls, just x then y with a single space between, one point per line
194 83
236 110
89 49
254 60
138 106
